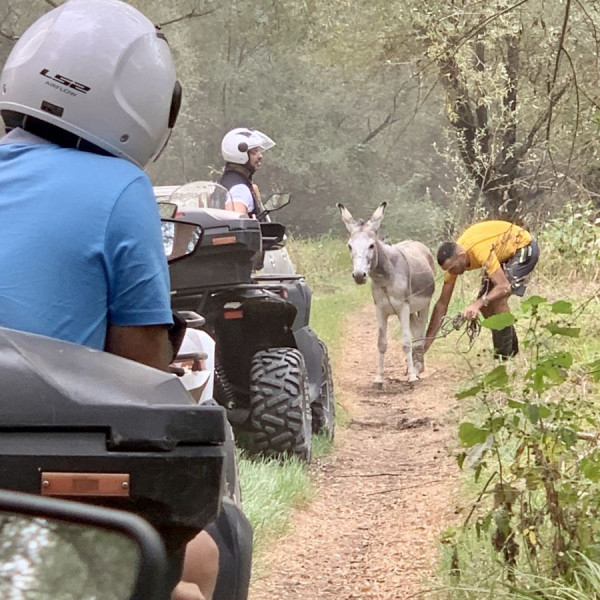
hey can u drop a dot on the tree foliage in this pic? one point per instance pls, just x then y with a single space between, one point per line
447 109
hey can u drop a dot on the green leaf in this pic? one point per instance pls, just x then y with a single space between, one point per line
562 307
544 411
533 301
559 359
496 378
470 435
551 372
497 423
473 391
590 468
555 329
568 436
535 412
499 321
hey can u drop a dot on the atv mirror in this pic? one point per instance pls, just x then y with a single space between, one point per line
273 235
57 549
277 201
167 209
179 238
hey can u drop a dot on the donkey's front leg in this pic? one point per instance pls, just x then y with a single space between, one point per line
418 324
413 374
381 347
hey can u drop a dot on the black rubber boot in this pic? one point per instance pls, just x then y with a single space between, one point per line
506 343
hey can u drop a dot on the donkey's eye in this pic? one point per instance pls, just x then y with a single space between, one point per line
371 246
350 247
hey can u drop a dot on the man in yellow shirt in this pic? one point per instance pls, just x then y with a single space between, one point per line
507 254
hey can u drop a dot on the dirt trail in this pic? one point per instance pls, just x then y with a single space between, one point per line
383 495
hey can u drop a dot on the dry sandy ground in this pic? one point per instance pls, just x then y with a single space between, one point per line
382 496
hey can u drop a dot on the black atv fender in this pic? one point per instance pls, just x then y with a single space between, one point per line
232 533
309 345
272 314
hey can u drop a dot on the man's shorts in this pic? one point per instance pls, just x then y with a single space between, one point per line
516 270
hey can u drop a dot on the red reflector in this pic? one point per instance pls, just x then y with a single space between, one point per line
233 314
221 241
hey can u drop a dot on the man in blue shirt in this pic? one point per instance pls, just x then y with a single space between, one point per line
81 256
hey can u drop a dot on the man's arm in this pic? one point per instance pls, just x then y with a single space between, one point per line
138 301
439 312
237 207
146 344
501 290
241 199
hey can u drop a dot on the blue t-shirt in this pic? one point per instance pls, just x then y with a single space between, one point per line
80 243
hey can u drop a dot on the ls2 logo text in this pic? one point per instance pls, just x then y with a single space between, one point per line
66 82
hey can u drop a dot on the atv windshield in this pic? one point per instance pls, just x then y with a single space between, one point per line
197 194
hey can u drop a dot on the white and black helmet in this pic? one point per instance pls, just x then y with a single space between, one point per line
237 142
98 69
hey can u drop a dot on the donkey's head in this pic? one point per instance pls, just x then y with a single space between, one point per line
363 241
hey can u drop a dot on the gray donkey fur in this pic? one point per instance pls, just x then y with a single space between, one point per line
402 284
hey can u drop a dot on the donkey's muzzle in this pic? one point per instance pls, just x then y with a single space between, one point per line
359 277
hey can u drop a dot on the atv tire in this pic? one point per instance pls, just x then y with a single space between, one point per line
280 415
323 408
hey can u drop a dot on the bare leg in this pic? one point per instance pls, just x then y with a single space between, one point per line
201 564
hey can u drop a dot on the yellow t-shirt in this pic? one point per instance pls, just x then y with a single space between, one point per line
490 243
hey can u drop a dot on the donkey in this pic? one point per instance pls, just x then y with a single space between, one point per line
402 284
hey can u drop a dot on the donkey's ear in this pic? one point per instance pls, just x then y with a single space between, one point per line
376 218
347 217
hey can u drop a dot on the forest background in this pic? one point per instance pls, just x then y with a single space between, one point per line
449 110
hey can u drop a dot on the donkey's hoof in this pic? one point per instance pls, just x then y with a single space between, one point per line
378 385
413 379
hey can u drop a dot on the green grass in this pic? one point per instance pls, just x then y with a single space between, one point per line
271 490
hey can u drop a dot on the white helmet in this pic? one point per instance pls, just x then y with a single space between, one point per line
98 69
237 142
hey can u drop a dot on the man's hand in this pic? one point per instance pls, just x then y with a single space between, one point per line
470 313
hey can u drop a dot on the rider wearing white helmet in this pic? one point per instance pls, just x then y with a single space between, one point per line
80 78
242 150
89 97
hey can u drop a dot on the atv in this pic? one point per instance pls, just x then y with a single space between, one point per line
273 373
94 427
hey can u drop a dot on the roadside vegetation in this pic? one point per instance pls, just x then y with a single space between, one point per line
527 438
